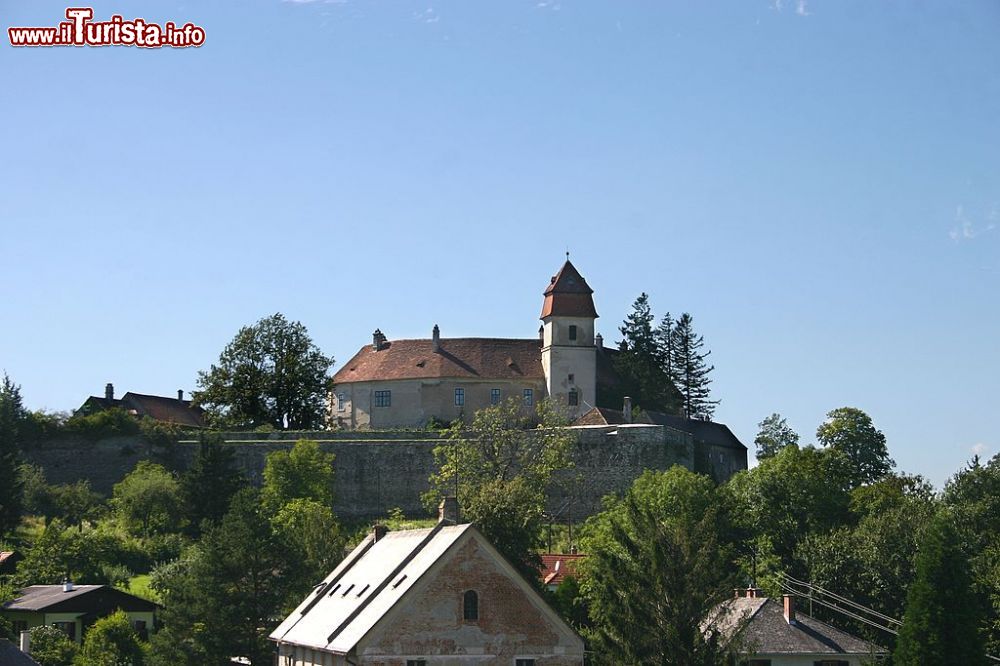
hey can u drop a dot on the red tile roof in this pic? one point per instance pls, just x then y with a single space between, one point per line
568 295
556 566
473 358
159 408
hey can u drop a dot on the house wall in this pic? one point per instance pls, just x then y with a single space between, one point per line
429 624
415 401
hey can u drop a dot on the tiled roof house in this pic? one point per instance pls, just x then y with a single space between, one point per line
417 597
159 408
406 383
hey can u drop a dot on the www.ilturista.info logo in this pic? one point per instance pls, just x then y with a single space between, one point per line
80 30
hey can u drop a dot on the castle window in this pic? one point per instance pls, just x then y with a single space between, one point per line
470 606
524 662
495 396
460 396
572 332
529 397
570 377
341 402
383 398
416 662
574 398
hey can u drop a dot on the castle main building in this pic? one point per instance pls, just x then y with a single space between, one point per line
406 383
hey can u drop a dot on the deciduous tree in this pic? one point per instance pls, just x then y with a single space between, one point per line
148 499
270 374
305 472
773 435
502 467
51 646
851 431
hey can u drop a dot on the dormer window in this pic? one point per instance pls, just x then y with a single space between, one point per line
470 606
572 332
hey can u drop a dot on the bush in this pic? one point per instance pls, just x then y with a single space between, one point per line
108 423
51 646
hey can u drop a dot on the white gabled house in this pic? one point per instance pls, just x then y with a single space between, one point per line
441 595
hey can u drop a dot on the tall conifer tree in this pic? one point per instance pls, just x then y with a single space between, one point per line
11 486
692 370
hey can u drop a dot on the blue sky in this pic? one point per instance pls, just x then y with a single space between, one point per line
817 182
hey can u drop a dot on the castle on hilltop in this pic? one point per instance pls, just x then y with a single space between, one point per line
407 383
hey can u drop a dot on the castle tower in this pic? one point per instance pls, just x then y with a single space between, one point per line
569 357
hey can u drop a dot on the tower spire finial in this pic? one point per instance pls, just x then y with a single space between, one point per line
567 254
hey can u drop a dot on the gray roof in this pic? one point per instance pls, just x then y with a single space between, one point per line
82 598
709 432
759 625
10 655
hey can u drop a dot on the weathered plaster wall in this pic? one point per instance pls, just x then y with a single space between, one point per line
376 471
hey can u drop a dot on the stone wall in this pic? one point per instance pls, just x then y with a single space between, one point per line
377 471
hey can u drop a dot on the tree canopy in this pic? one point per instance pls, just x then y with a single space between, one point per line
270 374
12 416
773 434
643 362
851 431
305 472
668 544
502 467
111 641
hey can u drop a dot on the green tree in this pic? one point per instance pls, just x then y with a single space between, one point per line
305 472
667 542
210 482
311 531
75 502
641 363
221 600
943 617
503 467
270 374
12 415
51 646
774 434
692 371
851 431
797 492
147 499
111 641
972 497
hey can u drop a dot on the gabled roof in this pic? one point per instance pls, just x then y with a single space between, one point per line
557 566
471 358
82 598
346 607
10 655
760 626
160 408
568 295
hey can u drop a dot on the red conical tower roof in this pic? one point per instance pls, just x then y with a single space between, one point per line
568 295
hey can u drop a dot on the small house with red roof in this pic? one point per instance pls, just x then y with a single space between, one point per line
157 407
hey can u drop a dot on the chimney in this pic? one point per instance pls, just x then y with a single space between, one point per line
379 531
599 342
752 592
541 333
67 585
109 391
448 511
180 394
627 410
377 340
436 337
789 608
25 643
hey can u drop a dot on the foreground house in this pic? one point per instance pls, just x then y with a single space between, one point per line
769 632
73 608
157 407
11 655
441 595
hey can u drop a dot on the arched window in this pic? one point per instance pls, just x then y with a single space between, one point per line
470 605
